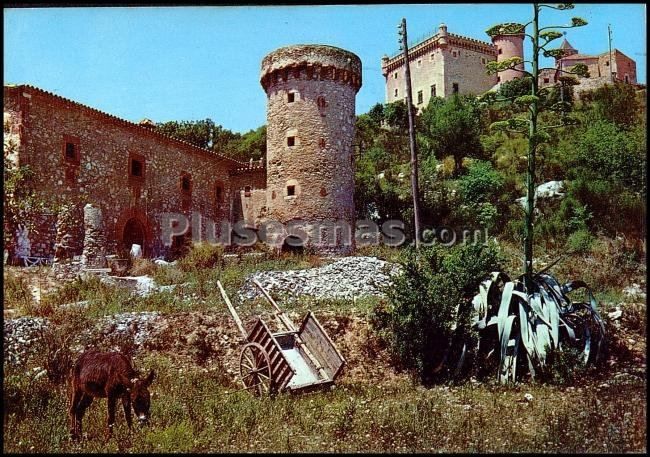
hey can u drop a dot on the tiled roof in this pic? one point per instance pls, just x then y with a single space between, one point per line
144 130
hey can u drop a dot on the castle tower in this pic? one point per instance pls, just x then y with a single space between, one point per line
311 92
509 46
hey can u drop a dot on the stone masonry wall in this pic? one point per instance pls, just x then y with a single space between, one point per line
100 174
441 60
317 168
467 70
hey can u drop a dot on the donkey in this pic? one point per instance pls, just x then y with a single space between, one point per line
110 375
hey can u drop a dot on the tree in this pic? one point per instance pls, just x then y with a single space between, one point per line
536 134
21 204
453 127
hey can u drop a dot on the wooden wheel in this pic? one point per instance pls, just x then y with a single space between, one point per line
255 369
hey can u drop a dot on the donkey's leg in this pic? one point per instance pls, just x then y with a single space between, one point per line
72 413
83 405
110 420
126 404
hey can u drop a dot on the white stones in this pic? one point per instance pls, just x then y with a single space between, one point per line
634 291
348 277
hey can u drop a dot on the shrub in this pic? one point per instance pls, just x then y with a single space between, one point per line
16 292
580 241
202 256
143 267
419 322
481 183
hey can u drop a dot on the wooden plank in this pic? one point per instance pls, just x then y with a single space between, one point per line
231 308
321 346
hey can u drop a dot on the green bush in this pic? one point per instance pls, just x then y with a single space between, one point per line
418 322
481 183
202 256
580 241
16 292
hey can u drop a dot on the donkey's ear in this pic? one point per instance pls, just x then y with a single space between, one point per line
149 379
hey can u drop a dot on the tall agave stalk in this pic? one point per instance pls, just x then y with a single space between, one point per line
532 312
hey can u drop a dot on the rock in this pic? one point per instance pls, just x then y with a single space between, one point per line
136 251
634 291
550 189
615 314
528 397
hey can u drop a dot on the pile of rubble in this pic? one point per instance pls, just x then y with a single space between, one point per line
20 335
139 325
345 278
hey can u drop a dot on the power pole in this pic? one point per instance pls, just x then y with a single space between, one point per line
413 145
609 35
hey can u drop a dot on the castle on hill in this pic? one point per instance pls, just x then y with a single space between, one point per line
445 64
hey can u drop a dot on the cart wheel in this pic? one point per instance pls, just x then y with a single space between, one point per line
255 369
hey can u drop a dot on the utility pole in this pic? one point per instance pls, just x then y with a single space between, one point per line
609 35
413 146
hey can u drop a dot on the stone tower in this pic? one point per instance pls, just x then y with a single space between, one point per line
509 46
311 92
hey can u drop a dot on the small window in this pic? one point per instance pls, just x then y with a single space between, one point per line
546 80
291 190
136 168
395 75
433 90
186 183
219 194
419 63
498 79
500 51
396 92
627 79
291 141
71 152
483 60
607 64
420 97
291 97
431 57
453 53
455 88
247 191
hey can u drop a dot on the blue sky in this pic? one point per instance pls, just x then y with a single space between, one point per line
189 63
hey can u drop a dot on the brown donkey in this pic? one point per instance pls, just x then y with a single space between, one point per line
109 375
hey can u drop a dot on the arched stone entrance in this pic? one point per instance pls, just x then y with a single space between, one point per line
293 244
133 233
133 227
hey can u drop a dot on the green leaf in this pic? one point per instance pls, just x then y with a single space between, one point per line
555 53
507 64
580 70
527 99
507 28
578 22
550 35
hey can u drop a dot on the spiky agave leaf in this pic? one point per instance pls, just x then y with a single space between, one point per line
541 320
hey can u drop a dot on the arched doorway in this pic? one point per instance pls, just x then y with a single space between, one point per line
293 244
133 233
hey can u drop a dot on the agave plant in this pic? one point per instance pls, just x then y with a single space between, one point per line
510 318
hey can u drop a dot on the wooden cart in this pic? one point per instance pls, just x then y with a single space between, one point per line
291 360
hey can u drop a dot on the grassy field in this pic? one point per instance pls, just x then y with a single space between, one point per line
197 405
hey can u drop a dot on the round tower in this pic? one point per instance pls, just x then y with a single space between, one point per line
311 92
509 46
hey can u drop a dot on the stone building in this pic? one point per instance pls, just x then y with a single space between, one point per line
131 172
446 63
311 116
603 68
133 177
